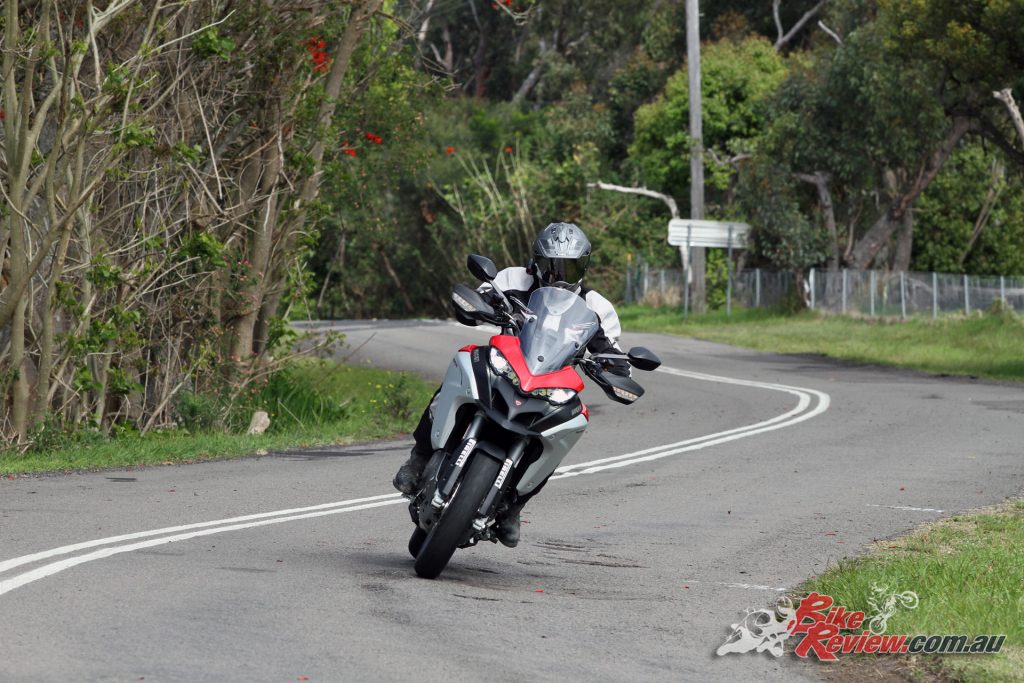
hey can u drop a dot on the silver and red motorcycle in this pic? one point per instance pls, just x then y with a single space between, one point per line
507 413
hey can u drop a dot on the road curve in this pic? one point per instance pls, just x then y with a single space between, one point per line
738 475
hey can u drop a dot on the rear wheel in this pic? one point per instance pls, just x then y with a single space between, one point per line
452 529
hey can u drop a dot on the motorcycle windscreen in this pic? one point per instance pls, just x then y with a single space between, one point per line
558 324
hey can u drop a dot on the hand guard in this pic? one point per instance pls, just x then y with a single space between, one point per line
463 318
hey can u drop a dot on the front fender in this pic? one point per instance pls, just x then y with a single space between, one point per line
458 388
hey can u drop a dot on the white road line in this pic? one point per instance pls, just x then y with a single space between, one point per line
749 586
789 418
7 585
904 507
64 550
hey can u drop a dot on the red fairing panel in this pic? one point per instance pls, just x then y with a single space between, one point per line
566 378
468 347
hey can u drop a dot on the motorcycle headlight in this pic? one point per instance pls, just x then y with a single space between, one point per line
556 396
501 366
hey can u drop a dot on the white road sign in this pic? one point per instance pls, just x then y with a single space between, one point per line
707 233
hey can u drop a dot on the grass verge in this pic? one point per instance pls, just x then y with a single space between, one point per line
983 345
312 403
968 573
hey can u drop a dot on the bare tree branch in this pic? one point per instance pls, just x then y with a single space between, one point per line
789 35
669 200
831 34
1006 97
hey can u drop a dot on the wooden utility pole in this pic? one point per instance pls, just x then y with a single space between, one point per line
696 149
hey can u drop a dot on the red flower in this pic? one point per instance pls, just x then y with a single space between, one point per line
375 139
508 150
320 59
351 152
449 150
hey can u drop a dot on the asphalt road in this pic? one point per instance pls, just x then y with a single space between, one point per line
629 569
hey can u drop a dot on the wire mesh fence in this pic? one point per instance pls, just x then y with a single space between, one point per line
654 286
906 294
872 293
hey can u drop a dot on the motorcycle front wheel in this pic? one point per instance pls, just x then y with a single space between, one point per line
416 541
452 529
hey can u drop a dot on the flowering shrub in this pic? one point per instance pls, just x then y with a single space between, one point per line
320 60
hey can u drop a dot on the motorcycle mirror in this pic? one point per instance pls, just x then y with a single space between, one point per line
470 303
481 267
643 358
621 389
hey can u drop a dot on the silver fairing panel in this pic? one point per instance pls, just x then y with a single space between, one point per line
557 442
458 389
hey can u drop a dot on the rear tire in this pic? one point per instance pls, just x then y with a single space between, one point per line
416 541
452 529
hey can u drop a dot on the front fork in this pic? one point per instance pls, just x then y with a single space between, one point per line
513 456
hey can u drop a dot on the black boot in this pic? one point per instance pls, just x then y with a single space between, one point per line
407 479
507 527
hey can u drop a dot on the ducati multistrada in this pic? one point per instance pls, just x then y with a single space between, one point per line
507 413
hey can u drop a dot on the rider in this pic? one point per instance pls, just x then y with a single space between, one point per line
561 254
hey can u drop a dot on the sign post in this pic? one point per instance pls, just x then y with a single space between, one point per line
700 234
686 276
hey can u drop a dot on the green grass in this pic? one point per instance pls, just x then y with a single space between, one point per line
312 403
968 573
989 345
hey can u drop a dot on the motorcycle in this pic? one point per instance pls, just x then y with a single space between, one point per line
507 413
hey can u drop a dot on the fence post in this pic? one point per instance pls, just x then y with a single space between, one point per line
1002 289
686 275
629 281
967 296
871 282
728 277
811 280
935 295
844 291
647 279
903 295
661 283
757 288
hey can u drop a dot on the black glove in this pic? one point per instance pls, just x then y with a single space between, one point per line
616 367
491 297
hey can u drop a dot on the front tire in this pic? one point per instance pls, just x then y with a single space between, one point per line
452 529
416 541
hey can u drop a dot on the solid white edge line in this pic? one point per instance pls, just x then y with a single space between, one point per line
749 586
903 507
279 516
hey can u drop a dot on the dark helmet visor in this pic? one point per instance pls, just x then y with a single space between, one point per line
567 270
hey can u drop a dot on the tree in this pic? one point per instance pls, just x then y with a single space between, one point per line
157 165
855 128
737 77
